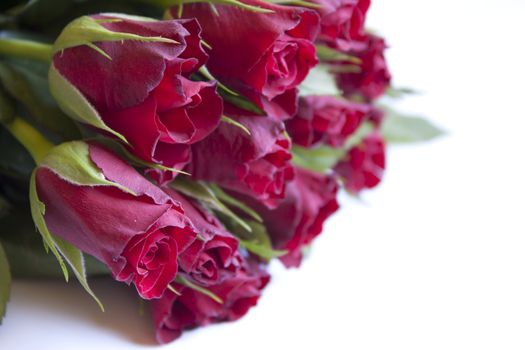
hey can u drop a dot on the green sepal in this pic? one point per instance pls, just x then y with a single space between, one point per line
236 3
5 282
226 198
119 149
398 128
233 122
257 241
319 81
301 3
187 283
202 192
71 161
325 53
74 104
206 73
60 248
87 31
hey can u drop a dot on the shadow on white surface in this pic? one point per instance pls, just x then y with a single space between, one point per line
54 306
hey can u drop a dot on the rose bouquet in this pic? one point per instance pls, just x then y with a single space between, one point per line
179 146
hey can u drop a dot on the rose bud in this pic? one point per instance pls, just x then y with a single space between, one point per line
342 23
256 164
364 164
310 200
263 56
373 77
214 253
129 76
325 120
101 205
172 314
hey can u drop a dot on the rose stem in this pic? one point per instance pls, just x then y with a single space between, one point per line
35 143
26 49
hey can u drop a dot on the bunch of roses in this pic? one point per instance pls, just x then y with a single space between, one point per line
206 100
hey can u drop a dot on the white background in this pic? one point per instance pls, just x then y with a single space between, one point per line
432 259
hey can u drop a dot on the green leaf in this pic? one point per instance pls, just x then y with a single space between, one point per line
7 110
28 87
40 12
25 252
319 159
5 282
399 92
71 161
74 104
60 248
319 81
323 158
398 128
87 31
202 192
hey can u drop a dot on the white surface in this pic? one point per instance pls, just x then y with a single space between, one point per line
434 259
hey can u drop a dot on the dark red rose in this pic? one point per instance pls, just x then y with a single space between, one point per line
214 253
173 314
325 120
257 165
263 56
342 23
374 77
138 236
364 164
310 200
144 92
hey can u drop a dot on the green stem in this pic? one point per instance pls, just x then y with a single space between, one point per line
26 49
35 143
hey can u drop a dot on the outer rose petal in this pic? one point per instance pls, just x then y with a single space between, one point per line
214 254
173 314
257 164
120 229
277 50
374 77
135 68
326 120
342 23
310 200
364 165
144 92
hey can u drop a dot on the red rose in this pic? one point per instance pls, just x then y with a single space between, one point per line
374 76
214 253
342 23
325 120
173 314
144 92
257 165
364 164
138 236
310 200
263 56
